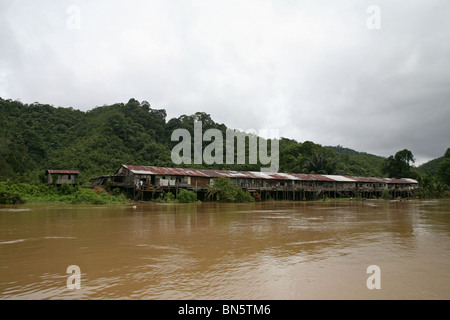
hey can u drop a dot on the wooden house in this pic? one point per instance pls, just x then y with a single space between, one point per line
271 185
58 177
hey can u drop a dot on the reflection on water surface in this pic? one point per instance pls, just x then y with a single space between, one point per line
268 250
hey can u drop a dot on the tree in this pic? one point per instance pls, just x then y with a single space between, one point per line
225 190
444 169
320 163
399 166
186 196
405 156
290 155
431 187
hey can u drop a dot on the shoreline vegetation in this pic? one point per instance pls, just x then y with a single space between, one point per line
19 193
223 190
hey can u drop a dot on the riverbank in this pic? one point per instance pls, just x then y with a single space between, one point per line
19 193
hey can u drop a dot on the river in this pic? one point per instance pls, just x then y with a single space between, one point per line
265 250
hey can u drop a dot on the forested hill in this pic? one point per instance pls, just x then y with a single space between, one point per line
350 152
431 167
35 137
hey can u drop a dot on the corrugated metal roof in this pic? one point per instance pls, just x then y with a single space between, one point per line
339 178
408 180
311 177
287 176
393 180
260 175
368 179
142 172
208 173
50 171
277 176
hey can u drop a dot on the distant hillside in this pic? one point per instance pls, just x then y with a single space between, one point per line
430 167
368 164
350 152
35 137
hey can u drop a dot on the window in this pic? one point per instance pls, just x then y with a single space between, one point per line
69 177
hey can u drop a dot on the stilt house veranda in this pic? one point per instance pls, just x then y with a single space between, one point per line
286 186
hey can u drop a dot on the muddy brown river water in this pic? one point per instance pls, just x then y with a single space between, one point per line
268 250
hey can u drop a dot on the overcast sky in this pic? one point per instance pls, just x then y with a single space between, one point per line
369 75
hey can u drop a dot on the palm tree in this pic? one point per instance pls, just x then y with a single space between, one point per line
319 163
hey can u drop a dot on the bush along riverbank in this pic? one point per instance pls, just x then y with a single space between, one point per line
220 190
184 196
17 193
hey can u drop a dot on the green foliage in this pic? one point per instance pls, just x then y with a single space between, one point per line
9 194
225 190
161 198
116 192
385 194
399 166
166 197
431 187
35 137
243 196
65 189
186 196
308 157
320 163
354 163
8 197
169 197
444 169
430 167
13 192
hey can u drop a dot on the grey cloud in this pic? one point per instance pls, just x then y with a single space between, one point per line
312 70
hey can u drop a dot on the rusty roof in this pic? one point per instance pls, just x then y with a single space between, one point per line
368 179
383 180
311 177
50 171
403 180
211 173
339 178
